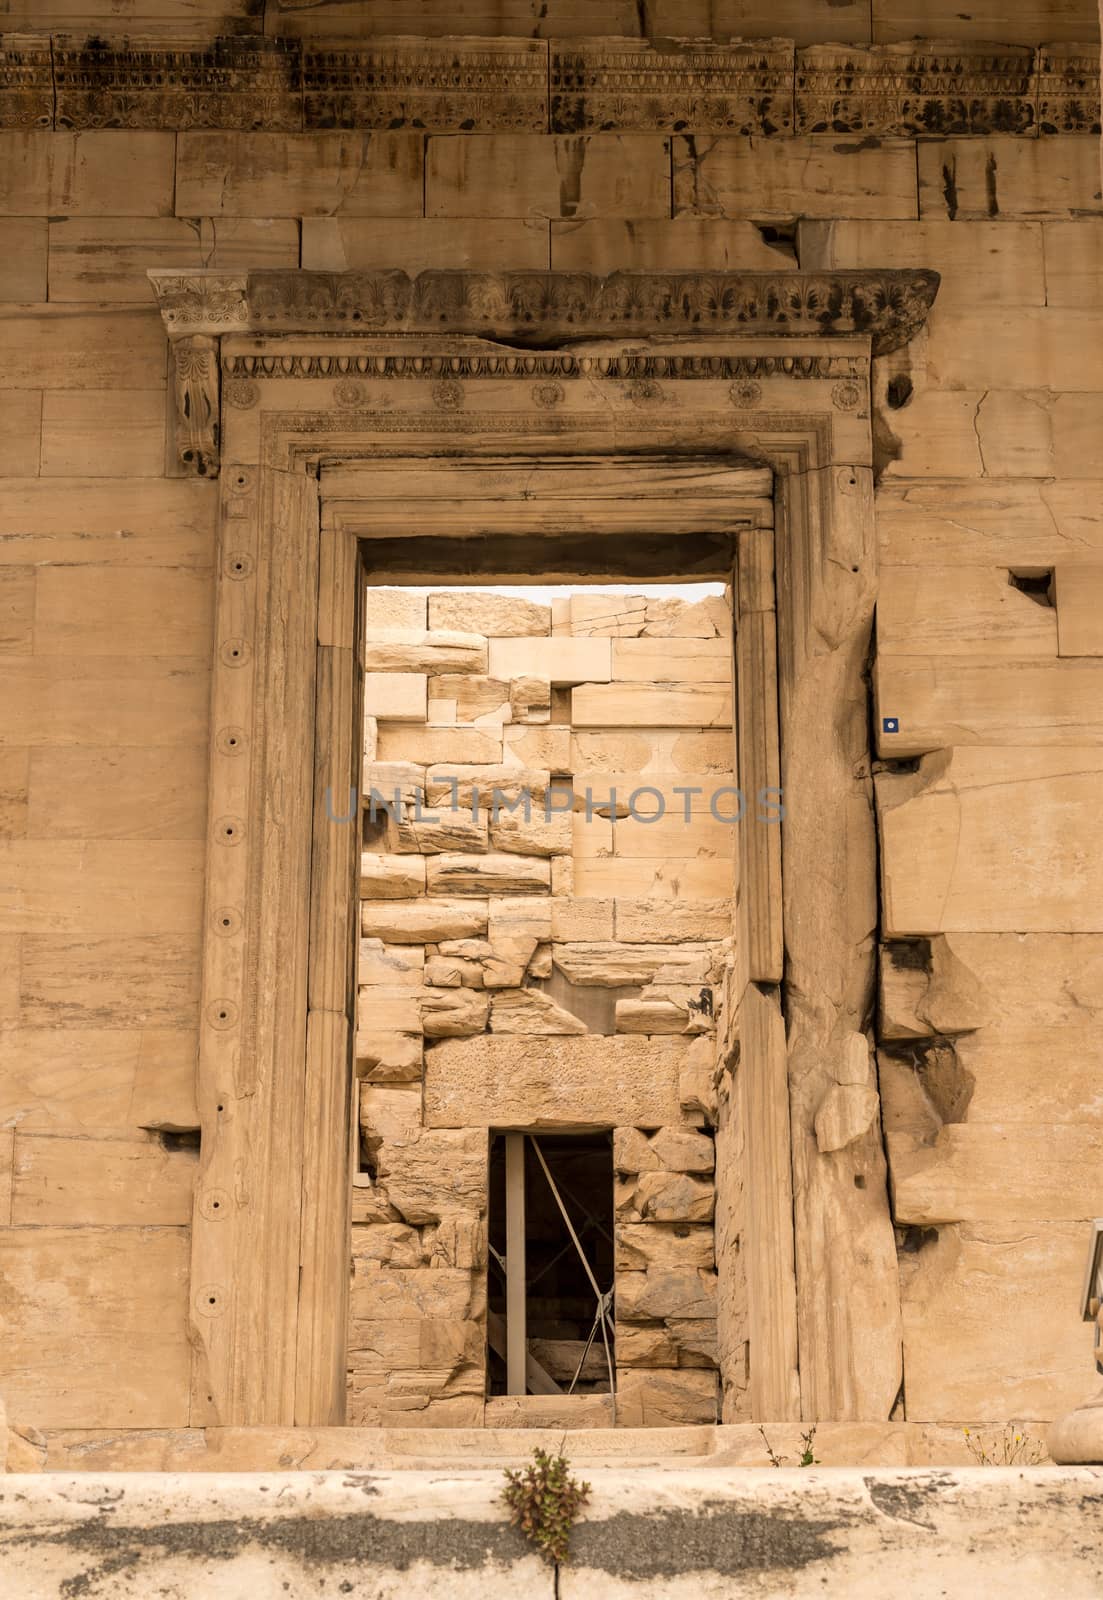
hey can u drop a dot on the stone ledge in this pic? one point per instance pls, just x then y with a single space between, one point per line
643 1533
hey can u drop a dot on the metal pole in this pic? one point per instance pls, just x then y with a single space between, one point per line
516 1343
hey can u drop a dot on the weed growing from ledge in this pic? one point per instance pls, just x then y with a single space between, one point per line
1011 1449
544 1501
808 1457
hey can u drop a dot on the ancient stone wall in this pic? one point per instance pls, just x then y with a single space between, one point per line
546 917
977 159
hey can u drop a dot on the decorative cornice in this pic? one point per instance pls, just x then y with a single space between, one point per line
623 366
762 87
542 308
617 84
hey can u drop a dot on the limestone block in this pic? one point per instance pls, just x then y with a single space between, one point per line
399 965
664 1399
395 696
562 876
432 1173
663 921
710 618
591 1082
966 179
968 700
20 430
104 432
75 347
107 258
499 616
648 1015
528 175
846 1112
811 176
93 173
453 1013
1073 262
1077 450
23 272
489 874
543 1411
433 830
156 612
529 1011
388 1008
957 856
390 786
529 921
452 972
695 1340
65 1178
665 1292
991 1322
410 741
1015 433
388 1244
99 887
469 698
389 609
1054 349
423 921
1006 256
545 749
591 836
1078 595
665 1197
388 1057
606 616
925 988
410 650
613 966
936 435
654 755
539 835
696 1083
481 786
683 1246
458 1240
434 1293
695 244
371 739
558 661
667 1150
123 1359
582 921
644 1344
162 523
647 878
483 244
672 660
298 175
386 877
1025 23
389 1111
630 705
142 981
673 836
996 1173
530 700
922 610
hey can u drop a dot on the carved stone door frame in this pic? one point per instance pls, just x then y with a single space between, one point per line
733 367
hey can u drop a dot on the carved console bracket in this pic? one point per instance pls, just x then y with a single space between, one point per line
539 310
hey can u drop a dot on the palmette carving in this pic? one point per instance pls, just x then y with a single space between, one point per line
195 386
744 88
245 83
26 82
481 85
915 89
887 306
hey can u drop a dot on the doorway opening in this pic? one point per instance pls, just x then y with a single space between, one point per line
550 1276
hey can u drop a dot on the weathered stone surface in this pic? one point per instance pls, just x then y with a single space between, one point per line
847 1111
390 1244
612 965
542 748
529 1011
816 175
963 700
430 746
484 785
453 1013
656 1399
517 175
968 179
552 1082
647 705
395 696
387 877
665 1197
423 921
497 615
925 988
662 921
666 1150
992 1173
489 874
408 650
388 1057
530 700
559 662
392 608
85 174
430 1173
389 1111
652 1016
575 920
675 1245
400 966
672 660
299 175
538 835
430 831
666 1292
469 698
920 610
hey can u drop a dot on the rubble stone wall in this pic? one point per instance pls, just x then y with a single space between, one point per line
546 917
155 148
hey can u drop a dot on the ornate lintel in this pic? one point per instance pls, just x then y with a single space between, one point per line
545 309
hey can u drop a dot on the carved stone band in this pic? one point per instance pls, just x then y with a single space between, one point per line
539 308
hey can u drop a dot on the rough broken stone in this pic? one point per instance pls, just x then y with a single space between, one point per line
530 700
650 1399
614 966
641 1246
664 1197
389 1111
529 1011
390 1244
664 921
386 877
483 786
423 921
389 1057
469 698
485 875
925 988
846 1112
400 965
498 615
696 1081
666 1150
453 1013
424 831
431 1173
538 835
409 650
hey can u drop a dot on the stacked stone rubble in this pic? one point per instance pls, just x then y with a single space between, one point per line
532 959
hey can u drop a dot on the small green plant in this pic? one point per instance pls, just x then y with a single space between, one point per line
808 1457
543 1501
1009 1449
